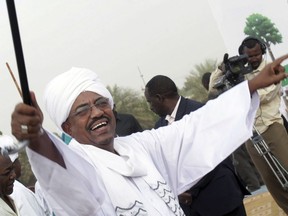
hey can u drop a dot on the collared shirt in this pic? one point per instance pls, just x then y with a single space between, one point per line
171 118
268 112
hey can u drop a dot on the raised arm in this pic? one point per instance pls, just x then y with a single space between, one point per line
39 141
272 73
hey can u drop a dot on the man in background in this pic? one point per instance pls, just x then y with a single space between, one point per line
7 178
24 199
219 192
268 122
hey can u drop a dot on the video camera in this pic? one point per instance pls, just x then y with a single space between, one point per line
234 70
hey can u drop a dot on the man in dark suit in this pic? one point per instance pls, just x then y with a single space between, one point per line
220 192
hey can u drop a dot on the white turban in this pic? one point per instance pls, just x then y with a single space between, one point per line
7 141
62 91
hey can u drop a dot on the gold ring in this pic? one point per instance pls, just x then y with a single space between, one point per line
24 129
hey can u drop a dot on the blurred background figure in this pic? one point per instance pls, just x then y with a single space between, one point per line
126 124
206 80
24 199
7 179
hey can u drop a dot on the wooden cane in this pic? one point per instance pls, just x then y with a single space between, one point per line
14 80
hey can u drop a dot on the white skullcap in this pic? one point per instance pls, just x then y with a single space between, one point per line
6 141
62 91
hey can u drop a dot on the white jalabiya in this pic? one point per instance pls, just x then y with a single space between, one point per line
26 201
42 200
182 153
5 209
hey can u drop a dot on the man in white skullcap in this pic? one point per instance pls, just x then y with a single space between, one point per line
140 174
24 199
7 178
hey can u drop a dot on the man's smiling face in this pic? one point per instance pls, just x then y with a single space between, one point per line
91 121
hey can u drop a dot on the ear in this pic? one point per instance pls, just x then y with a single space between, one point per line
66 127
160 97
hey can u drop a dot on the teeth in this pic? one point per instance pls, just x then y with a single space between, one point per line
99 125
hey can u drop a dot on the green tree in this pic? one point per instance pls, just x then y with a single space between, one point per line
193 87
133 102
261 27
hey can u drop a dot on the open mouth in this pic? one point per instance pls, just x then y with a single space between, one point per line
99 125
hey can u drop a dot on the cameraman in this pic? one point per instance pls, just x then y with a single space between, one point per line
242 162
268 122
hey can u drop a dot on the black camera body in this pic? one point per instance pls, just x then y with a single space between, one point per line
234 70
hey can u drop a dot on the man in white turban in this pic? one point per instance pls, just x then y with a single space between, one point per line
140 174
60 94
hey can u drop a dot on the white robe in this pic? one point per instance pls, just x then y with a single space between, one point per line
42 200
26 201
182 153
5 209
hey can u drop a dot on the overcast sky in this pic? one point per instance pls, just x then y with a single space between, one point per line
116 38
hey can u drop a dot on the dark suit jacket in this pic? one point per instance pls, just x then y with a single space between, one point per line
220 191
185 107
126 124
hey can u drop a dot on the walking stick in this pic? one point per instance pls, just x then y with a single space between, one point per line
18 51
21 67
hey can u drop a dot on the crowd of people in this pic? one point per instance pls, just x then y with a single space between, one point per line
185 165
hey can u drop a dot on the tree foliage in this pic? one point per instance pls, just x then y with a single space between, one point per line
133 102
261 27
193 87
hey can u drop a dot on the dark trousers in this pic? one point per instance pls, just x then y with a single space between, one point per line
219 193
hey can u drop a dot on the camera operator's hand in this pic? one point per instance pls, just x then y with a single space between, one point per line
221 67
272 73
